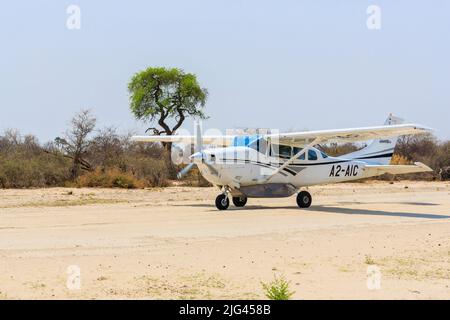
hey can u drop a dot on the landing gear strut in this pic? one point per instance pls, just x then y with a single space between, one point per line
304 199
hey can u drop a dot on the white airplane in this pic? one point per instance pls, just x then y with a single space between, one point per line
279 165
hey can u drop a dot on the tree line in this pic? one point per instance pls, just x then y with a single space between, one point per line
83 157
89 157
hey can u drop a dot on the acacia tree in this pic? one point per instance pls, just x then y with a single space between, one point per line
75 143
166 97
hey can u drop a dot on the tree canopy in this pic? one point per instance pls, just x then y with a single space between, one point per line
158 95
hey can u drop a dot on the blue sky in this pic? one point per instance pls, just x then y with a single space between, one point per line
277 64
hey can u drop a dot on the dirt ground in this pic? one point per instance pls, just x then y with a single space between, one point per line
358 241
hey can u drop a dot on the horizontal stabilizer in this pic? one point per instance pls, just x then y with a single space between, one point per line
375 170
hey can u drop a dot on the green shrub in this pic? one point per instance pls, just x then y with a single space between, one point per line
278 289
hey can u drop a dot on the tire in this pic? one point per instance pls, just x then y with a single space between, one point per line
304 199
222 202
239 201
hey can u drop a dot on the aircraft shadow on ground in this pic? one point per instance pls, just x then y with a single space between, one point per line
332 209
233 208
404 202
358 211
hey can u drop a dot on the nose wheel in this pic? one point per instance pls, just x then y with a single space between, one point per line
222 202
304 199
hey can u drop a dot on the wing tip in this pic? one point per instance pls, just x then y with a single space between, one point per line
422 128
423 166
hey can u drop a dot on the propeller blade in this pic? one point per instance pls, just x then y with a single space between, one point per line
198 137
185 170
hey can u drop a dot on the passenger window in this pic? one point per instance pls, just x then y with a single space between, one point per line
285 151
312 155
297 150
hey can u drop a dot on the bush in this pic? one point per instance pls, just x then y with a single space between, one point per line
153 171
120 163
43 170
278 289
398 159
109 178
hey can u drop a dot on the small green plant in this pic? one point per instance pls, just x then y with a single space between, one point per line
278 289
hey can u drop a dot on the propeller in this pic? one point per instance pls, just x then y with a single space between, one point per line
198 137
198 151
185 170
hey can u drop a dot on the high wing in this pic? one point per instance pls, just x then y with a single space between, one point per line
184 139
346 135
302 138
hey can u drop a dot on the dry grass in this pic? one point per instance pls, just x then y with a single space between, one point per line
64 203
196 286
431 267
110 178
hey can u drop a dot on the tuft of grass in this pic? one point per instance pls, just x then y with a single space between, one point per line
344 269
3 296
278 289
369 260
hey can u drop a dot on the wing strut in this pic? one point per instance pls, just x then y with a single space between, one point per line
292 159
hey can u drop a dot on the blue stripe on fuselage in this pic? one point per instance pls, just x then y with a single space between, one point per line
243 141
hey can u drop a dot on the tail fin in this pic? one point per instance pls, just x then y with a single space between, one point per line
379 151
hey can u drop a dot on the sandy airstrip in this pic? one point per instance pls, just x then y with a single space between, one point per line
173 243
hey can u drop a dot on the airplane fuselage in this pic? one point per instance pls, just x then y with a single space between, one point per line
242 166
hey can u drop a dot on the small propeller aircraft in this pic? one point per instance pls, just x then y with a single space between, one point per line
281 164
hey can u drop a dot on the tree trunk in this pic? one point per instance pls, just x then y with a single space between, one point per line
171 167
168 147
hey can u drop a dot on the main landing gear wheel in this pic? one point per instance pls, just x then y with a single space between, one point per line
222 202
304 199
239 201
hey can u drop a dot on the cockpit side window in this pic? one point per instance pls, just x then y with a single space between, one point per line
312 155
285 151
262 145
273 150
280 150
297 150
324 155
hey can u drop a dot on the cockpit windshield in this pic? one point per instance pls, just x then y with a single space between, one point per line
259 145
